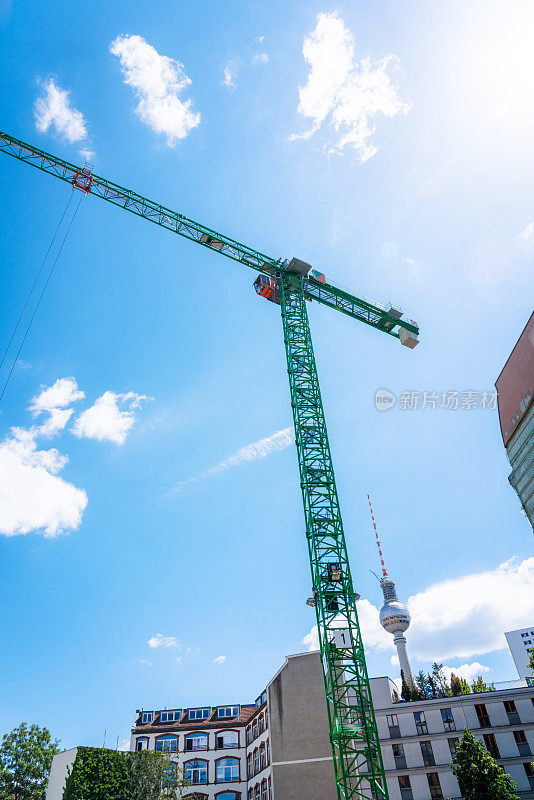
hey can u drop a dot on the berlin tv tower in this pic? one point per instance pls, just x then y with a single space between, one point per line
394 616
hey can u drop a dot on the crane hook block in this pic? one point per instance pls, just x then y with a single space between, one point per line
83 179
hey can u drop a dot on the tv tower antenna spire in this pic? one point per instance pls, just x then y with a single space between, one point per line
394 616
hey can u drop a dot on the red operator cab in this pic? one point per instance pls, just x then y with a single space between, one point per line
267 287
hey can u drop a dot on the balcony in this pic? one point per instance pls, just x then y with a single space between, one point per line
394 731
400 762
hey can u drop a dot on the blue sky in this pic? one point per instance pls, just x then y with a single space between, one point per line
403 170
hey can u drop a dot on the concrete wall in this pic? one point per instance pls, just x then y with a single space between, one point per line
301 758
58 773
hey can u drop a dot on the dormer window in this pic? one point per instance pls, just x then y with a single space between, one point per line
198 713
147 717
170 716
228 711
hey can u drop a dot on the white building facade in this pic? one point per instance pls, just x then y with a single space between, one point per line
418 739
521 644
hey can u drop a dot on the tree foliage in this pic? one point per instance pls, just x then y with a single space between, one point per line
25 759
142 775
434 684
478 773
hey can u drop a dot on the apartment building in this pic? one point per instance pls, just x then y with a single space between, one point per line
521 644
274 749
209 742
419 739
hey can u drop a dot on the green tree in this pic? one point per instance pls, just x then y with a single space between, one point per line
440 681
423 686
456 685
478 686
478 774
531 662
155 776
142 775
25 759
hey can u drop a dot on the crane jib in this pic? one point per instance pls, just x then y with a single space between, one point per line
321 291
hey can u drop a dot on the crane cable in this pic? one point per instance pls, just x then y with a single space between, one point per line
42 291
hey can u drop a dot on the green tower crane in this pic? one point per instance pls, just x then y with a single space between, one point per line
357 760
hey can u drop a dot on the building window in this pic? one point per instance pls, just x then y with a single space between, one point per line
392 721
196 771
167 744
268 753
434 785
227 770
524 635
249 766
227 796
269 784
404 782
428 754
264 789
420 722
249 734
257 792
261 724
453 747
250 795
263 762
228 711
520 737
491 745
254 728
196 741
256 761
266 718
170 716
198 713
482 714
398 751
227 739
448 719
261 699
529 769
146 717
141 744
510 707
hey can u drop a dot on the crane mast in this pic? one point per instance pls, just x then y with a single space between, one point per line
357 760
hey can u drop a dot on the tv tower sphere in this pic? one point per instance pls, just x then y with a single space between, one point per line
394 616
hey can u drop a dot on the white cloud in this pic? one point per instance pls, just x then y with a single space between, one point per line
251 452
159 640
158 82
260 58
87 155
458 618
32 496
146 662
105 420
467 616
219 660
53 109
467 671
409 261
344 93
230 75
179 659
527 233
64 392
